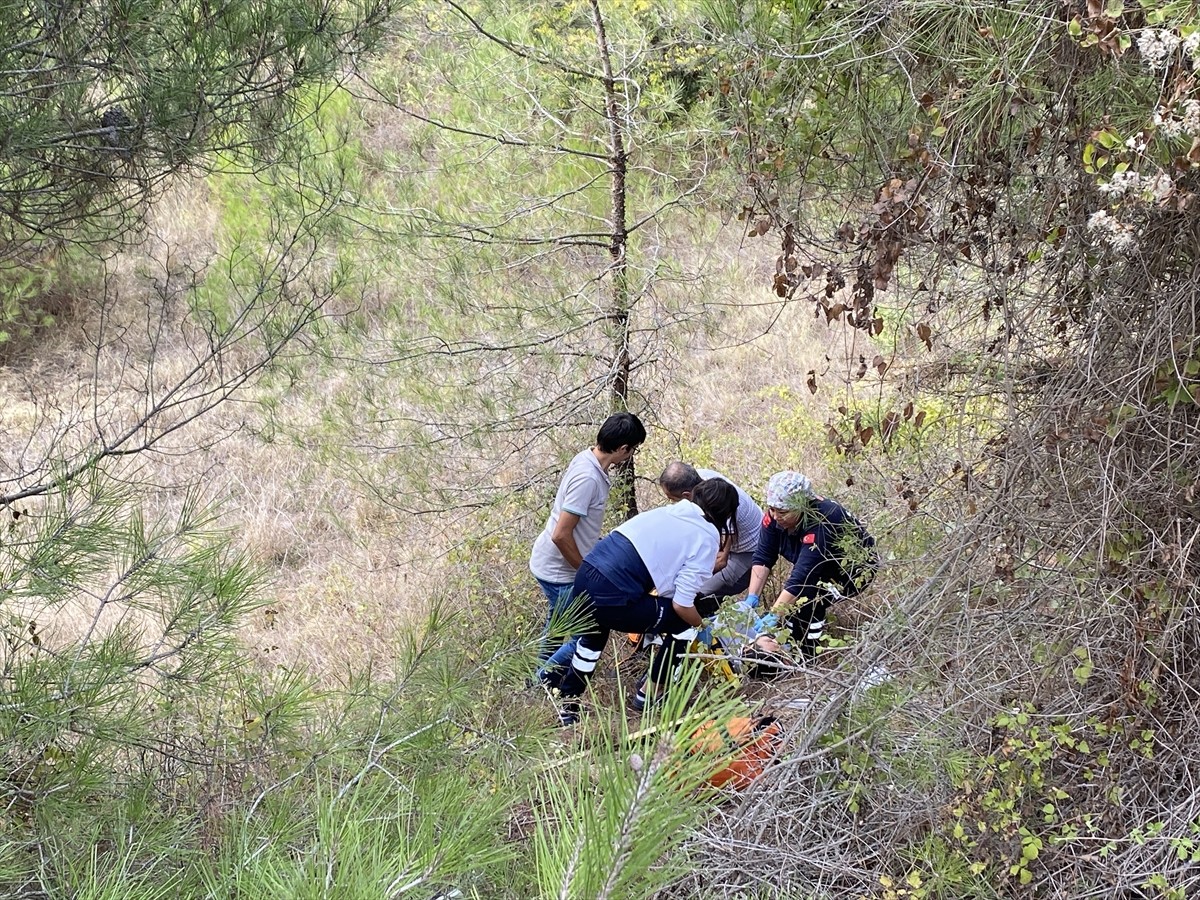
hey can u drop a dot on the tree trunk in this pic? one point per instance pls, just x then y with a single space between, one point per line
618 269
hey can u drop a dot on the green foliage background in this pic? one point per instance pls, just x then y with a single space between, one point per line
413 252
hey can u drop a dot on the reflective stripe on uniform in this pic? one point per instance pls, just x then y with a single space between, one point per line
584 659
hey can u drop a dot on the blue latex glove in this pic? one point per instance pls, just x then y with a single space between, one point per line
764 623
748 604
704 636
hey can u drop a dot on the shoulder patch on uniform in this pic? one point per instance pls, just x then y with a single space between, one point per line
810 538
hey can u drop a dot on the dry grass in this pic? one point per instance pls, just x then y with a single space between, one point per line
740 387
345 574
349 572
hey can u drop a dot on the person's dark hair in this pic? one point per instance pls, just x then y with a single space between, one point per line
763 664
707 605
620 429
719 501
679 478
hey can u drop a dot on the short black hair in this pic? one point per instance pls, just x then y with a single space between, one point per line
678 478
719 501
620 429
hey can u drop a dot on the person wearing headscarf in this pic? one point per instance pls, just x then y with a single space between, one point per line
644 577
825 544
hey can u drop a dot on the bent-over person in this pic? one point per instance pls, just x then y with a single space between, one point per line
826 545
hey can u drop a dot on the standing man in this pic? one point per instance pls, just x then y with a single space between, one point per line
826 546
731 573
573 528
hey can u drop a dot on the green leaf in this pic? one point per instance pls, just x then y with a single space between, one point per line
1091 158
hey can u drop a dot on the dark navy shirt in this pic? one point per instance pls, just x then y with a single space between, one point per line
830 545
615 573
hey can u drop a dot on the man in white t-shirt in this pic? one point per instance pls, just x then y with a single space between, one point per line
573 527
731 574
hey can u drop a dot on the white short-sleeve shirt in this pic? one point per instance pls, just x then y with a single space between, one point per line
583 492
678 547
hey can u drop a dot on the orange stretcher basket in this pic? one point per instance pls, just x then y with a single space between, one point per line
750 742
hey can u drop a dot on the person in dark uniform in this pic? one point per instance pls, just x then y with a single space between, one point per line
826 545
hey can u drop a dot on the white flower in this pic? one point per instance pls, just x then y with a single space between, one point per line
1169 128
1159 187
1191 44
1191 117
1156 46
1149 187
1122 183
1118 236
1122 241
1183 119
